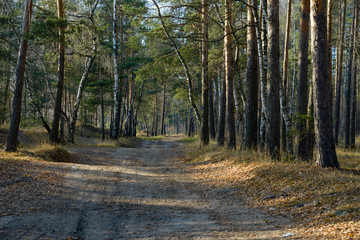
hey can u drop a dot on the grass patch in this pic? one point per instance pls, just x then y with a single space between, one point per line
155 138
188 140
324 203
53 153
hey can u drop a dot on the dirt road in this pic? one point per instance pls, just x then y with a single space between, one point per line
140 193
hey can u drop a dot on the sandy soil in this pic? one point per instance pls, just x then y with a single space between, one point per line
140 193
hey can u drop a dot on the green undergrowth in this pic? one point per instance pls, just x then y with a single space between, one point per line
154 138
188 140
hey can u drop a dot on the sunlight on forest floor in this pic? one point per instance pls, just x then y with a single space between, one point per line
322 202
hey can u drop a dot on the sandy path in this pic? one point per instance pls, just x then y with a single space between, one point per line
140 193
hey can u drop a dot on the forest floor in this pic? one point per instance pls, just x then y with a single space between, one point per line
148 192
168 188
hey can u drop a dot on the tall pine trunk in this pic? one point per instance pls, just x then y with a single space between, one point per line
273 75
338 76
54 138
205 75
251 92
302 96
229 74
354 77
349 80
20 70
326 154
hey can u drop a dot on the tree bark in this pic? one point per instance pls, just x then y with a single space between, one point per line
286 129
163 132
273 75
211 111
354 77
54 134
205 75
349 80
263 73
102 114
11 144
338 76
74 115
286 121
251 92
229 74
302 97
115 129
326 154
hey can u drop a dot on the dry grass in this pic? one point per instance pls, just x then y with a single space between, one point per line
52 153
324 203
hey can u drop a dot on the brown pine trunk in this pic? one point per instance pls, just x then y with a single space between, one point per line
211 111
229 74
354 77
222 113
338 76
205 75
163 132
251 92
273 75
326 154
349 80
302 97
20 70
54 138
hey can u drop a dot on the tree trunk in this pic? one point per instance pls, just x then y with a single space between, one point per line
222 113
102 114
251 92
263 73
88 64
211 111
285 123
20 69
115 130
349 80
229 74
326 154
205 75
329 40
54 138
273 75
302 97
163 132
354 77
338 76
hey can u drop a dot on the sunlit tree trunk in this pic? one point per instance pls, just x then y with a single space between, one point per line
326 154
20 70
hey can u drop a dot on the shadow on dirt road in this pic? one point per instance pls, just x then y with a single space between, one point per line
140 193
